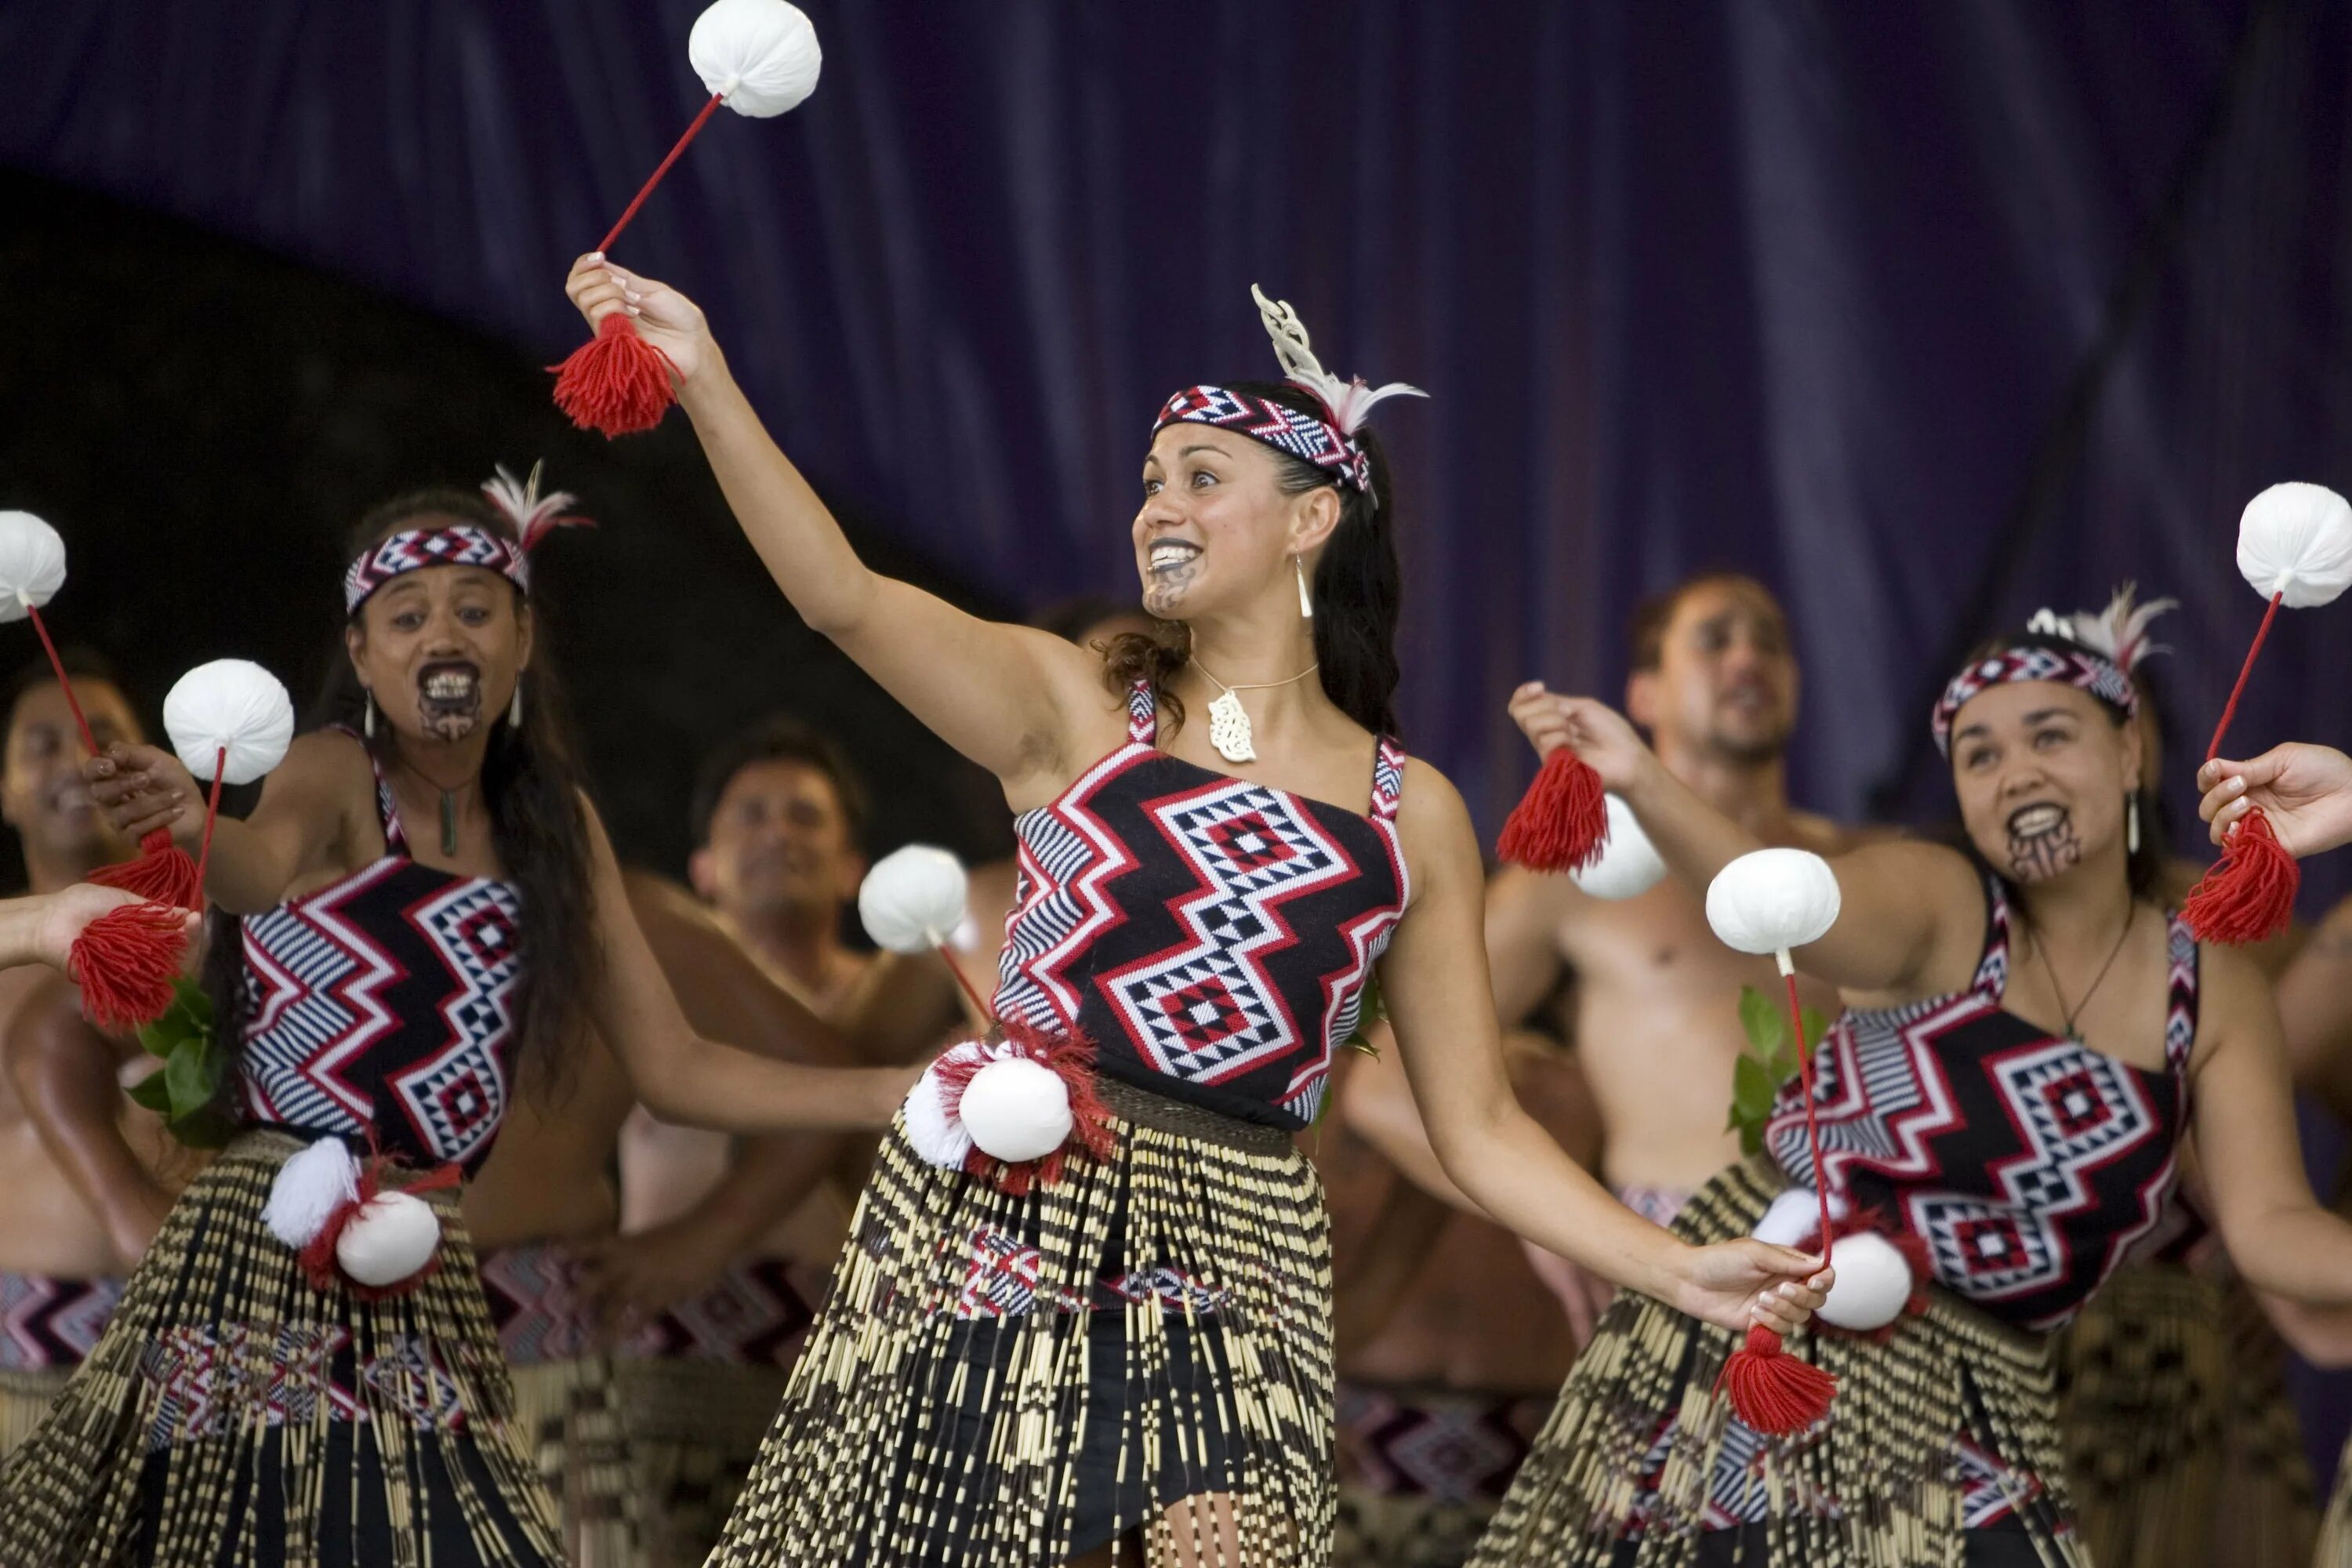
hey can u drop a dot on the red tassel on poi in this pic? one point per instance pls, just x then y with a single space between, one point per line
2249 894
617 384
125 961
163 873
1770 1390
1562 823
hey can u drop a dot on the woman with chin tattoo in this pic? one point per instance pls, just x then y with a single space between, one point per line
1028 1357
2028 1033
420 918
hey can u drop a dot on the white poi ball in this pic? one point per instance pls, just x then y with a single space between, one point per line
914 899
390 1238
32 564
1771 901
760 55
1874 1283
229 703
1017 1109
1629 864
2295 540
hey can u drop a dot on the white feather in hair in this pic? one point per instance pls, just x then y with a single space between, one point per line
2120 631
532 514
1350 401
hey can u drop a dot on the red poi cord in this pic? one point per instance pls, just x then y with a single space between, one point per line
979 1008
1769 1389
616 383
58 665
2249 894
212 815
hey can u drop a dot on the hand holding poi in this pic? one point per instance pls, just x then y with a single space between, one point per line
760 57
1589 750
2305 792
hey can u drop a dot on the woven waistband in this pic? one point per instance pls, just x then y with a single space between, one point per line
274 1146
1161 1114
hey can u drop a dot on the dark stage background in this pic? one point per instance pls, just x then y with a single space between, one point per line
1929 315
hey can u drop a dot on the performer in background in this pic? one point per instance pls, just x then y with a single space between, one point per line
419 919
85 1175
2005 1098
1025 1364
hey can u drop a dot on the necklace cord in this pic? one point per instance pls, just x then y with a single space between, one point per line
2041 951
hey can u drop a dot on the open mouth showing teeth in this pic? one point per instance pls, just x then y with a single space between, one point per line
2033 821
1171 553
450 685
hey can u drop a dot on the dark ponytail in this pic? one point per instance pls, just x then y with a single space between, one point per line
1359 588
532 783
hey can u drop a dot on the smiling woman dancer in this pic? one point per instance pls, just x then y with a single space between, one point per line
1145 1344
2027 1033
429 908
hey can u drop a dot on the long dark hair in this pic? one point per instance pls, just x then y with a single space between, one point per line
531 782
1357 588
2144 867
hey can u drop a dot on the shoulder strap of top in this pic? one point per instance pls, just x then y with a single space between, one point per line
1388 779
2180 998
1992 969
387 809
1142 714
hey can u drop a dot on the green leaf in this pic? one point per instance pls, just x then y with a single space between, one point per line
1759 1020
150 1093
1815 1027
1752 1089
1751 1138
188 1078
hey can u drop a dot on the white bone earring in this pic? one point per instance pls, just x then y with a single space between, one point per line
514 708
367 720
2131 824
1306 601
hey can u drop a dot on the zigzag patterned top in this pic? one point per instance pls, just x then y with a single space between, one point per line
1211 935
2031 1166
385 1003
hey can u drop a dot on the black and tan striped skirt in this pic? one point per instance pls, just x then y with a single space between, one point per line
998 1380
234 1415
1943 1442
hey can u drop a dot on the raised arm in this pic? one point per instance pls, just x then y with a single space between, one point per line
2314 1004
65 1074
1911 915
301 821
1434 982
685 1079
1011 699
2277 1235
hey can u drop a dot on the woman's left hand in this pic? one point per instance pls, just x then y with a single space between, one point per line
1737 1284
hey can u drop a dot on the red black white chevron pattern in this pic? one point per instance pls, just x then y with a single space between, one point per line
754 1316
1285 428
47 1322
413 548
2031 1166
1211 935
383 1006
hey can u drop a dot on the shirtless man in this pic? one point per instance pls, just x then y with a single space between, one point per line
779 819
545 1209
1655 996
83 1173
1652 1015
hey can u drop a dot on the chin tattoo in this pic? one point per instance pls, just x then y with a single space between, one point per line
2038 856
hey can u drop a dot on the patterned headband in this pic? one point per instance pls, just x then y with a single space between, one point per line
534 516
1329 443
2036 656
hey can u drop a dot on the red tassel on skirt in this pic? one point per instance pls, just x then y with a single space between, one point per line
1562 822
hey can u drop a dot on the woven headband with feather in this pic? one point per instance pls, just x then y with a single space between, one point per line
534 517
1329 442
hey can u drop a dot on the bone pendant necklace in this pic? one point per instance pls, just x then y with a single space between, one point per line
1229 721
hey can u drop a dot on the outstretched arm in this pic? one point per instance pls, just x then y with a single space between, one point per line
2277 1235
683 1078
65 1074
1434 984
41 927
1010 698
295 827
1911 915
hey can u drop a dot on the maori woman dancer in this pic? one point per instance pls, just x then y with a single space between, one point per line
422 907
2028 1032
1023 1366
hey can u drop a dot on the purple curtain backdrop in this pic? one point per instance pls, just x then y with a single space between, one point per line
1929 315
